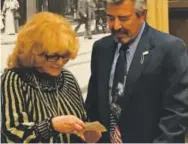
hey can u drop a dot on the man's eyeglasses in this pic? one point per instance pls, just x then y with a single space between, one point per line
55 57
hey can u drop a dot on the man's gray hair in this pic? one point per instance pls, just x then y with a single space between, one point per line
140 5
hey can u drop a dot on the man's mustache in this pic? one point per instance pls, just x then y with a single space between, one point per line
120 31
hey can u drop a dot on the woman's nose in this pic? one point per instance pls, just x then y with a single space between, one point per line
60 61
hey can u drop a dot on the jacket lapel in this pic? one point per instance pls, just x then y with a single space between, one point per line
106 58
139 62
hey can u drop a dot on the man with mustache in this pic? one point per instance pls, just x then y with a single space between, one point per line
138 87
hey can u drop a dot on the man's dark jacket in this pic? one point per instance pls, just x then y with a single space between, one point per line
156 92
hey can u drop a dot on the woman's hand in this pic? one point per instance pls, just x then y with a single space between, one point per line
67 124
92 136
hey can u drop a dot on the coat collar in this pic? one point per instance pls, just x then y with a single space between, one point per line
106 59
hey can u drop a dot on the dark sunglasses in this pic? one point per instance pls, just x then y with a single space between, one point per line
55 57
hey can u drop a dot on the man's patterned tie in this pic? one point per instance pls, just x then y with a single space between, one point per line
117 95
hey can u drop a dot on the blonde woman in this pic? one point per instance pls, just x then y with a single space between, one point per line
41 101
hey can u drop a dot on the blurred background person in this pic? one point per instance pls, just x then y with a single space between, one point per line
42 101
44 5
75 5
17 17
85 16
81 14
9 9
57 6
100 16
1 22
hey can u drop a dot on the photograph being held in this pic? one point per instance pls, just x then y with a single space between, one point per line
42 101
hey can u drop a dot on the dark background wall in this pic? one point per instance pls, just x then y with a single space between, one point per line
178 18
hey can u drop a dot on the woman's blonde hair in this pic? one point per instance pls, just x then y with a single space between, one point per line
47 33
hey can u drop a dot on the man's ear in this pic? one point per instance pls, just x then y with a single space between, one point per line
144 13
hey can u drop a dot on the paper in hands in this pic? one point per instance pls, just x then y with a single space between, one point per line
94 126
92 132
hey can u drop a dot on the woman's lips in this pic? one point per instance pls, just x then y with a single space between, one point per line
55 67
